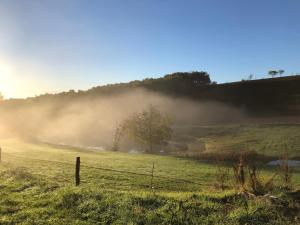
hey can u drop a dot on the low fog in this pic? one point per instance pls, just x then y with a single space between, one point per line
92 121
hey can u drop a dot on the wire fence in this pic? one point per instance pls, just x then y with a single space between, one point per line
151 174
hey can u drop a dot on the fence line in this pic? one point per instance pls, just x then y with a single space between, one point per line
106 169
42 160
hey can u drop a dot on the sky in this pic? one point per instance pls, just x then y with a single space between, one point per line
48 46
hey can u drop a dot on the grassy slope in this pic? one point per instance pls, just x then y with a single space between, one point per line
42 192
268 139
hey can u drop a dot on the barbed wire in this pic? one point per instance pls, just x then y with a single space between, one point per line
106 169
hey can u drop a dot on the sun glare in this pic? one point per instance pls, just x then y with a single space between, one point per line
7 80
16 79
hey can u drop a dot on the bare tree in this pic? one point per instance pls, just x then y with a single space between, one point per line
117 137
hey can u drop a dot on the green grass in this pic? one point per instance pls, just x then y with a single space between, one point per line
37 187
268 139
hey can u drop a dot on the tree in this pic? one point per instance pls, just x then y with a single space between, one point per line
273 73
117 137
250 77
281 72
200 77
149 128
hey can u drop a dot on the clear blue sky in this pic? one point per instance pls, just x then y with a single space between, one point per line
50 46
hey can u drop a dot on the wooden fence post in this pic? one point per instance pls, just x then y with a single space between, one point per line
152 175
77 172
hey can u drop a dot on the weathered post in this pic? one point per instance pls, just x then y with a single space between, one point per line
152 175
77 172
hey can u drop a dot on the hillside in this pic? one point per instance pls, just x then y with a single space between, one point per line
264 97
259 98
266 139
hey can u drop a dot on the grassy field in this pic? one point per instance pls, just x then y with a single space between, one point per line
267 139
37 187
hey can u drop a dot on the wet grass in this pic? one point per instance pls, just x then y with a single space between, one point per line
37 187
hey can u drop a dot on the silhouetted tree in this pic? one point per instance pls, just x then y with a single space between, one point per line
250 77
281 72
273 73
199 77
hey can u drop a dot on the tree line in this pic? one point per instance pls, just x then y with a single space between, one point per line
274 73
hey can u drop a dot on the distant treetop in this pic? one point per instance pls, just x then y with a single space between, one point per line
202 77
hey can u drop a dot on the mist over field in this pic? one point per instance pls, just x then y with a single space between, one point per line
149 112
92 121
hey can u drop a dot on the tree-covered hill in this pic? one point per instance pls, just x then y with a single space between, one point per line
263 97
